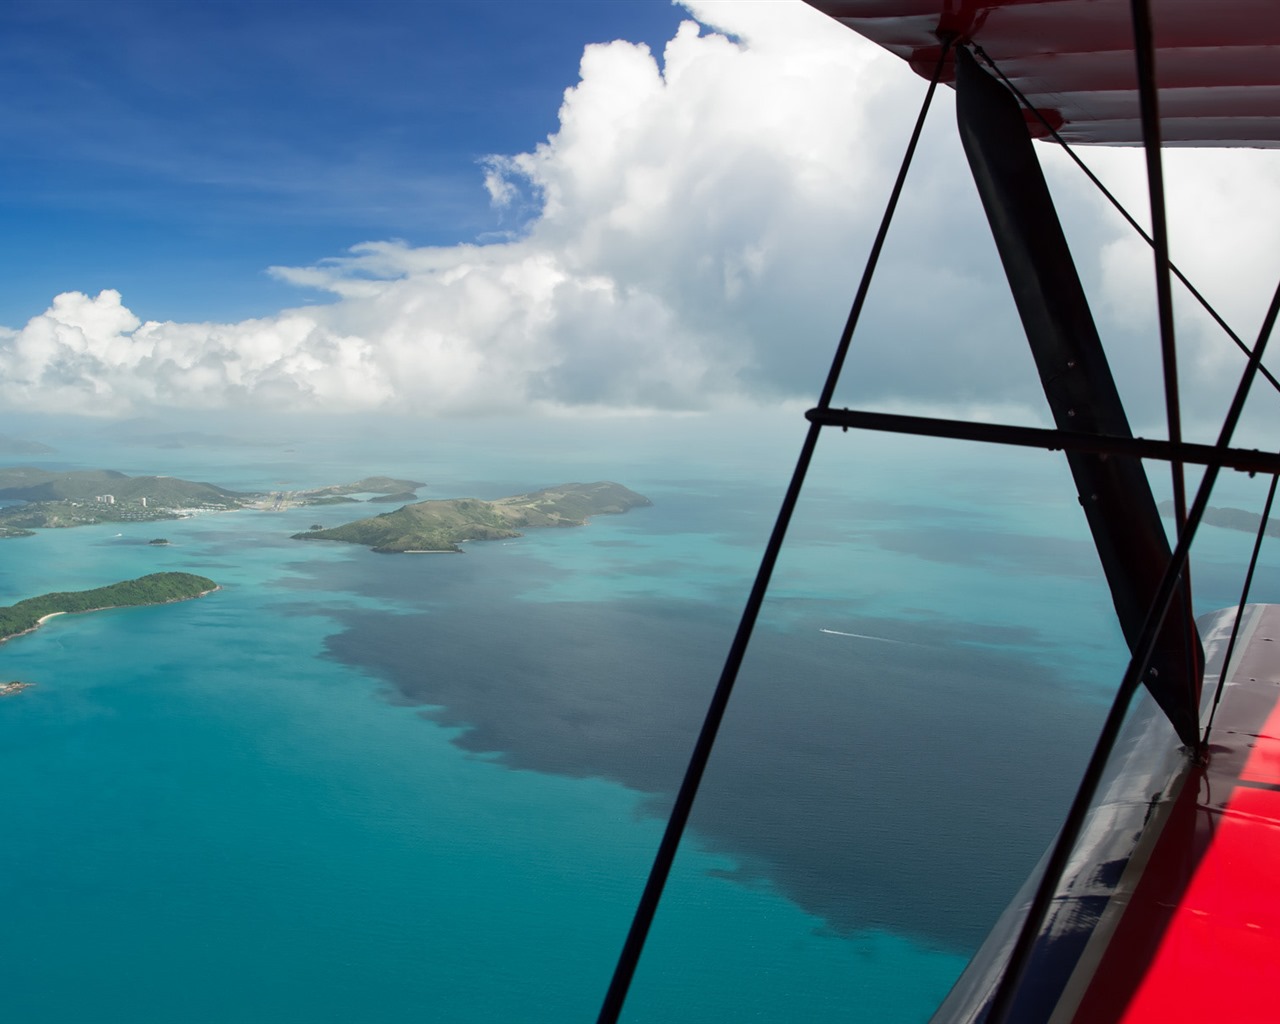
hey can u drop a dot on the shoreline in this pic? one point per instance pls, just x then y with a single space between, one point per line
104 608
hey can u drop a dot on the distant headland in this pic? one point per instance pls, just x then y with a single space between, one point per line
441 525
56 500
1229 518
157 588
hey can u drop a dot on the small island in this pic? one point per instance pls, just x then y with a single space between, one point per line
441 525
157 588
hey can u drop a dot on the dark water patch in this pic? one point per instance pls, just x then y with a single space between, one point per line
734 513
990 549
477 577
903 786
841 505
487 575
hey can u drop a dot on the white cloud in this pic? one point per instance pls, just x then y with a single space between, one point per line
693 235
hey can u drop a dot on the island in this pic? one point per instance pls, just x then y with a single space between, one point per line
441 525
56 500
21 446
1229 518
156 588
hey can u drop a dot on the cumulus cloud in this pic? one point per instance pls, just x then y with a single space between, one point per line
690 236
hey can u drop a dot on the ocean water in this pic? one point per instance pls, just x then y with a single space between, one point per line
350 786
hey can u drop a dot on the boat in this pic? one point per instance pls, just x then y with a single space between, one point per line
1156 900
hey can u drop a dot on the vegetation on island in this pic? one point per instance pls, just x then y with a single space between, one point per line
157 588
55 500
374 485
38 485
441 525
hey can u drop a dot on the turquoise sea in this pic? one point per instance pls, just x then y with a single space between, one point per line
355 787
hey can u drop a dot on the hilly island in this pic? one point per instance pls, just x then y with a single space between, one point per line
441 525
157 588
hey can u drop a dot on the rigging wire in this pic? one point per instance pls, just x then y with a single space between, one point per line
1149 106
1002 1001
1244 599
1159 241
1066 147
629 958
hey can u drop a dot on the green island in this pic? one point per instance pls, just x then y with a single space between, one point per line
441 525
157 588
56 500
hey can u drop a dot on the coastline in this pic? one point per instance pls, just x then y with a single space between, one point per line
106 607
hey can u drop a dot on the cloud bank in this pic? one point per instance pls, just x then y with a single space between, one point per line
689 238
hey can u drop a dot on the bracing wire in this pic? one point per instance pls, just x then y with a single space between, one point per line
1107 194
1144 53
629 958
1244 599
1148 104
1164 266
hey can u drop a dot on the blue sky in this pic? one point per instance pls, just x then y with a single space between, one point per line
154 146
439 209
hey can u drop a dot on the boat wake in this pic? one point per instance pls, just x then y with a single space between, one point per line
864 636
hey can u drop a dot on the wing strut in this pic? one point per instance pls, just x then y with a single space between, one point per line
1077 381
663 859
